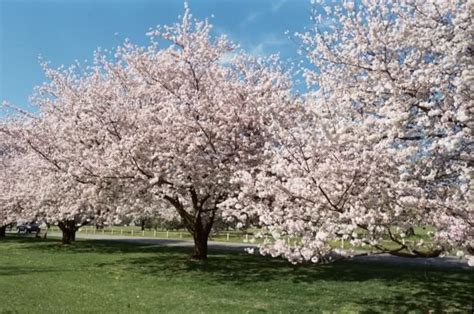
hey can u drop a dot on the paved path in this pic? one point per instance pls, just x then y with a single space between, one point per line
439 262
227 246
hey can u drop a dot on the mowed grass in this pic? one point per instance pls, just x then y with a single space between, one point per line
43 276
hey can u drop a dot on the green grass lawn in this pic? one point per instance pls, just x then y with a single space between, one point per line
42 276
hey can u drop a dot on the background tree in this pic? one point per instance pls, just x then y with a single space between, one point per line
38 184
10 163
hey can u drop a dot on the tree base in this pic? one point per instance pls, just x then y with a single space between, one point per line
200 247
197 258
69 231
68 237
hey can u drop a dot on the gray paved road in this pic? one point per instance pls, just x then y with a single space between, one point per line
441 262
227 246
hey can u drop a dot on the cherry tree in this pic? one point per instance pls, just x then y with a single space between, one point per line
35 188
383 142
152 128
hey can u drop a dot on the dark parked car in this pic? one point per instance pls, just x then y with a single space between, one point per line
28 228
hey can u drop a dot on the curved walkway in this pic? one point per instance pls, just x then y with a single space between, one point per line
439 262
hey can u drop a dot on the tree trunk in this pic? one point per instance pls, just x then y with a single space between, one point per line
3 230
68 229
69 236
199 224
45 235
201 230
200 245
142 224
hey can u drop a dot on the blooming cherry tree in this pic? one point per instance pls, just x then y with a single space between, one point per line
153 128
383 143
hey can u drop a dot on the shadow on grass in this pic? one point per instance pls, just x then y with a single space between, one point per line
414 287
25 270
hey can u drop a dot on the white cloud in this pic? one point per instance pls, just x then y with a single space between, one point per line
276 6
249 19
274 40
265 46
227 58
258 50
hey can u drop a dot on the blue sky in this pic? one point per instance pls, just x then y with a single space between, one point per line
62 31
